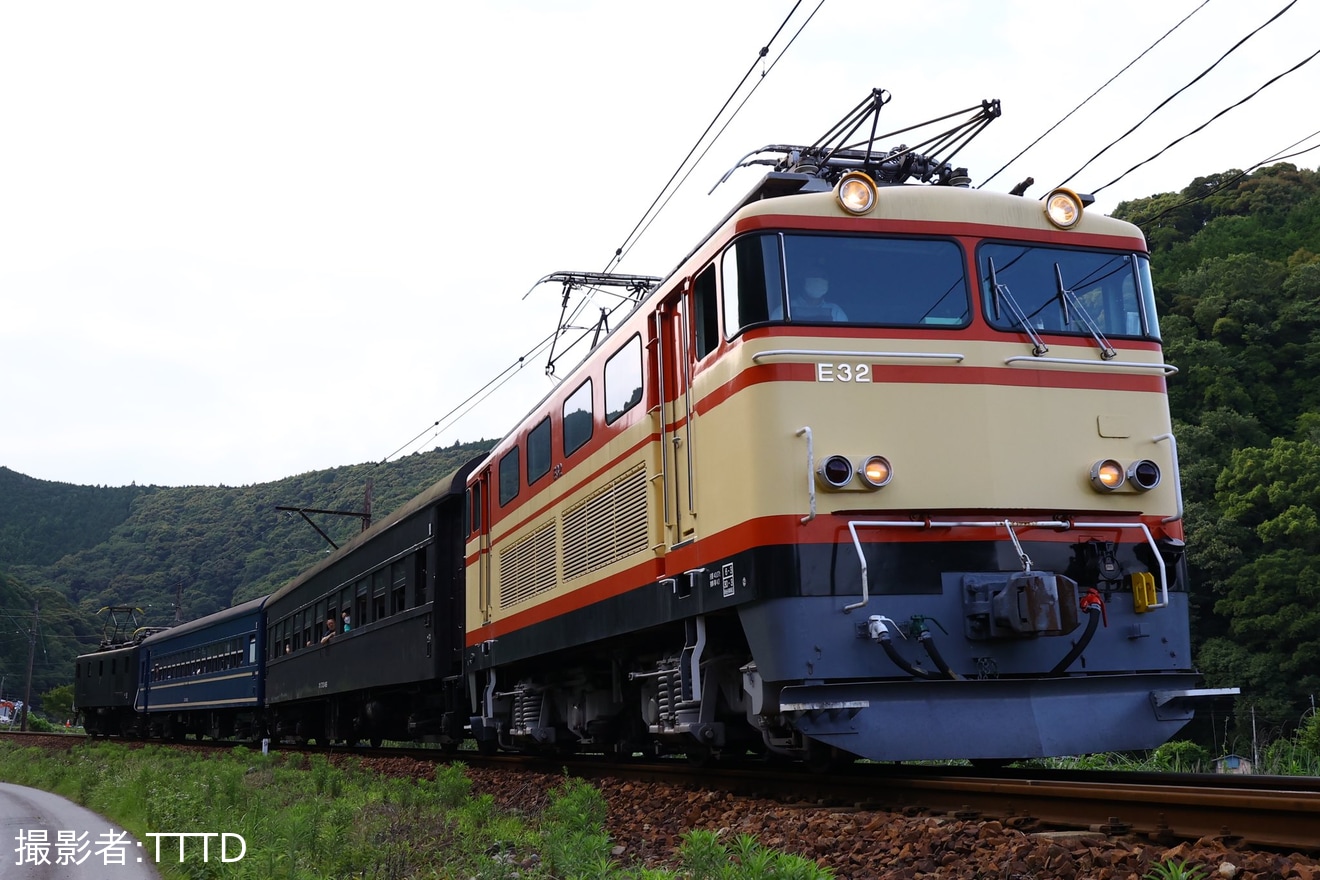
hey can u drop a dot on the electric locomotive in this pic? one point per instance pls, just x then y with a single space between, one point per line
881 469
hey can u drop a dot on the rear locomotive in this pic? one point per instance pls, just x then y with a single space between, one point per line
880 470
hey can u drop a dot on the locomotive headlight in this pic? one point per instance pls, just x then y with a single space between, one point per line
1144 474
835 471
1063 208
1107 475
856 192
876 471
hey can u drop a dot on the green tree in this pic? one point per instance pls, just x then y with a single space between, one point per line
57 703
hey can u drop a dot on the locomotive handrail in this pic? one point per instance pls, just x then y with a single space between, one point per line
1177 477
811 474
818 352
1167 369
853 525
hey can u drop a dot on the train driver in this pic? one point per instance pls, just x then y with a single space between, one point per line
808 299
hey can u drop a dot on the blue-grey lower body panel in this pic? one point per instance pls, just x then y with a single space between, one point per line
997 718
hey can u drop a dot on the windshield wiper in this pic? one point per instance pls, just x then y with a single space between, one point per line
1069 299
997 290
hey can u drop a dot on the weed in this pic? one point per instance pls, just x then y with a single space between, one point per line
1175 870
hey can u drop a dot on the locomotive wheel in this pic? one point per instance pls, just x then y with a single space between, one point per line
375 742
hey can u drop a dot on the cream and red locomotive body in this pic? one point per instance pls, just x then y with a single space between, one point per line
926 509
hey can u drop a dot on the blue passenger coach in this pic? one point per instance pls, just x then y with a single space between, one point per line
206 677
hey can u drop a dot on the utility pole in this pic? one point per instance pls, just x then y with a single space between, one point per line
32 655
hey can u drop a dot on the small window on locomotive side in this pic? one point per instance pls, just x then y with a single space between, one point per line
707 312
474 507
509 476
577 419
623 380
538 451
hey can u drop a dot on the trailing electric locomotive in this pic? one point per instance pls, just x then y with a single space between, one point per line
881 469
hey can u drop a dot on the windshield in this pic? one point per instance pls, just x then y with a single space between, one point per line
1112 289
895 282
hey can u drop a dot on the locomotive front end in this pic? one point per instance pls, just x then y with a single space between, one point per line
962 481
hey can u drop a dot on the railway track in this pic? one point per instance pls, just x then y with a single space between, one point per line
1271 812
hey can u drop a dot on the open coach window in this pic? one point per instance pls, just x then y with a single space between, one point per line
1058 290
813 279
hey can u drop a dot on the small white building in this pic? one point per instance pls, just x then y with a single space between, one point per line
1233 764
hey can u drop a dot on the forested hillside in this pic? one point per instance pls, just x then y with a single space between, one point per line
1237 274
210 546
41 521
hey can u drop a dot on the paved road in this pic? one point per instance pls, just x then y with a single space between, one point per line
34 824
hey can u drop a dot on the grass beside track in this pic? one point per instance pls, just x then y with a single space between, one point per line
303 817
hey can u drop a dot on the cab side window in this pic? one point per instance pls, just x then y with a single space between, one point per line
753 279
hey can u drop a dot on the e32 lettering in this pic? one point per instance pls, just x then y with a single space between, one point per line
843 372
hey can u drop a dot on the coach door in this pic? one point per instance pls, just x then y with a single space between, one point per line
674 375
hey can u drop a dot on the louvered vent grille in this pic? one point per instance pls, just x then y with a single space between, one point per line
528 567
606 526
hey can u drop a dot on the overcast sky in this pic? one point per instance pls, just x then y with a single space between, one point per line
246 240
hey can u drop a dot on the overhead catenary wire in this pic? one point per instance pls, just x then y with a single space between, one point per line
1184 88
1088 98
653 212
732 116
498 380
761 53
1275 157
1227 109
637 231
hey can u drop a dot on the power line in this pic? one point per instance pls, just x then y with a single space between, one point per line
1192 82
1276 157
630 240
475 397
1093 94
1234 106
623 252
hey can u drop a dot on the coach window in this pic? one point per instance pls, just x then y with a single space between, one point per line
380 581
419 579
398 587
577 419
753 282
538 451
509 476
623 380
707 312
